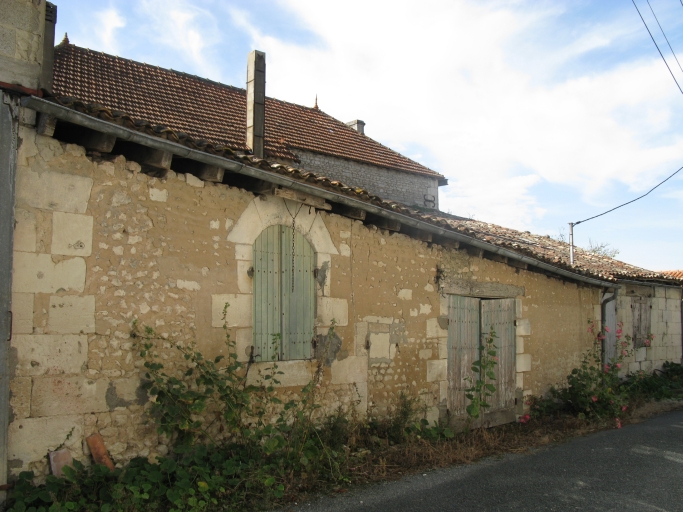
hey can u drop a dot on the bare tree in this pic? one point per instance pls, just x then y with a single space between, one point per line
601 249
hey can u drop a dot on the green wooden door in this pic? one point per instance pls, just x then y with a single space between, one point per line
284 295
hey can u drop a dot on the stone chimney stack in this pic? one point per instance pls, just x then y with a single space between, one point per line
357 125
48 47
256 101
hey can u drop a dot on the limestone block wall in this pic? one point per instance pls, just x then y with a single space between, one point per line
99 245
665 325
21 41
405 187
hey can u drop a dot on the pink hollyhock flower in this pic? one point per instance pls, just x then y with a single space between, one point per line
618 365
495 358
618 422
624 353
524 419
606 368
624 407
607 329
619 331
646 343
594 398
601 337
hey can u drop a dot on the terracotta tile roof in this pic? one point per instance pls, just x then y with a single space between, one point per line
543 248
211 111
678 274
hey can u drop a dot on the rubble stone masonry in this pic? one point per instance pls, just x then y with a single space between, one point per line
98 244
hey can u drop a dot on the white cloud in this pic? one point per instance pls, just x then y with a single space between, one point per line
189 30
438 74
103 32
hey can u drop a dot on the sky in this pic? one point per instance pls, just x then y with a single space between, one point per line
539 113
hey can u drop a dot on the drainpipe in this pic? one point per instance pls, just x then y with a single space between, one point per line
47 68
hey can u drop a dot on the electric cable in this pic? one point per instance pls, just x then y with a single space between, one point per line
667 39
631 201
657 46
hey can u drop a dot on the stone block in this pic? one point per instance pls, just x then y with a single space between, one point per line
633 367
71 234
71 314
244 252
523 362
54 191
24 231
22 313
244 282
192 286
405 294
519 380
523 327
37 273
30 439
193 181
432 415
294 373
425 353
360 397
379 345
350 370
443 305
658 303
434 330
20 396
519 310
45 354
360 338
437 370
674 353
320 238
125 392
58 396
641 354
660 291
648 366
332 309
58 460
247 228
238 314
673 293
519 345
443 349
158 195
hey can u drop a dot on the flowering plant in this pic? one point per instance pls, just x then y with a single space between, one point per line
594 388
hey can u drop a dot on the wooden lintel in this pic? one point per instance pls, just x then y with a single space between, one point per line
517 264
349 211
148 156
300 197
46 124
213 173
480 289
383 222
417 233
97 141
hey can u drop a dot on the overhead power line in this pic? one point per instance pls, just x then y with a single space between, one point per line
667 39
660 51
629 202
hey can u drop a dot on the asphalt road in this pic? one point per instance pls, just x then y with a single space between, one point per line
636 468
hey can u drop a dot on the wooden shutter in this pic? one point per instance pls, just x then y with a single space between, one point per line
610 321
298 301
499 315
463 349
642 319
279 307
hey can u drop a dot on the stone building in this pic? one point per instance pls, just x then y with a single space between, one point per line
118 218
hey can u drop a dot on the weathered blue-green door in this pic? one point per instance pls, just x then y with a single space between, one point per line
284 295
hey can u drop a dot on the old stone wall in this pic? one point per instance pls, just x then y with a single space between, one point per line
99 245
404 187
21 41
665 325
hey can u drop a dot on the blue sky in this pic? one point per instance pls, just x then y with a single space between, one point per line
538 112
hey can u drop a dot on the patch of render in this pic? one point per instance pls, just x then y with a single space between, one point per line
404 187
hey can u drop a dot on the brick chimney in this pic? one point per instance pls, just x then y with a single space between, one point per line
256 101
357 125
